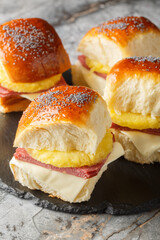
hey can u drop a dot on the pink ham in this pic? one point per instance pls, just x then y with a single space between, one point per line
82 60
153 131
83 172
4 92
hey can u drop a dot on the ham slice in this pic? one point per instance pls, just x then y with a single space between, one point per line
82 60
149 130
83 172
4 92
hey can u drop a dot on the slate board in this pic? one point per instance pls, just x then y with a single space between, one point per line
125 188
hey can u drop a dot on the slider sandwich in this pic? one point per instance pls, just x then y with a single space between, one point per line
133 97
32 60
110 42
64 143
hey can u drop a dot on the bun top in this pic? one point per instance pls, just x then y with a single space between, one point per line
64 103
64 118
134 65
31 50
121 38
120 30
133 85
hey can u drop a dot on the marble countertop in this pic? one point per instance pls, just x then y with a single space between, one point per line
21 219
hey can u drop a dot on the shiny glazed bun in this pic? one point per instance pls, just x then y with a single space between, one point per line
31 50
133 96
133 87
32 60
64 118
121 38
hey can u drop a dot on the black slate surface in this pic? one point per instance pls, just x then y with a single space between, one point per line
125 188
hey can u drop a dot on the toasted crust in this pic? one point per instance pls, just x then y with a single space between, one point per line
133 86
121 30
31 50
134 65
13 104
62 104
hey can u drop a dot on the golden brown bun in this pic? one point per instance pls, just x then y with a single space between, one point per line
121 38
131 152
13 104
120 30
133 85
31 50
64 118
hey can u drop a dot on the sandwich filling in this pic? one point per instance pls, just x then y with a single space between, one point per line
146 141
38 88
57 183
76 163
94 66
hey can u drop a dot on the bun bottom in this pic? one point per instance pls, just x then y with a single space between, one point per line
57 184
131 152
13 104
64 186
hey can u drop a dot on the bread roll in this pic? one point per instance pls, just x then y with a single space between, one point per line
133 94
32 57
133 86
64 144
106 44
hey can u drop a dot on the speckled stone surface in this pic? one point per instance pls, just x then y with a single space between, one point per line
21 219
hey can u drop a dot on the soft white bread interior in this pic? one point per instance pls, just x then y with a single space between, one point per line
64 118
121 38
105 51
144 152
64 186
133 86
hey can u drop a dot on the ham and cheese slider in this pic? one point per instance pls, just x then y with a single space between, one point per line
133 97
112 41
32 60
64 143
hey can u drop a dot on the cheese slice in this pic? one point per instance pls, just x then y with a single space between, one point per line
145 143
68 187
30 97
93 80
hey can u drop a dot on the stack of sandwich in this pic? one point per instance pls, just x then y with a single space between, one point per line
66 138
